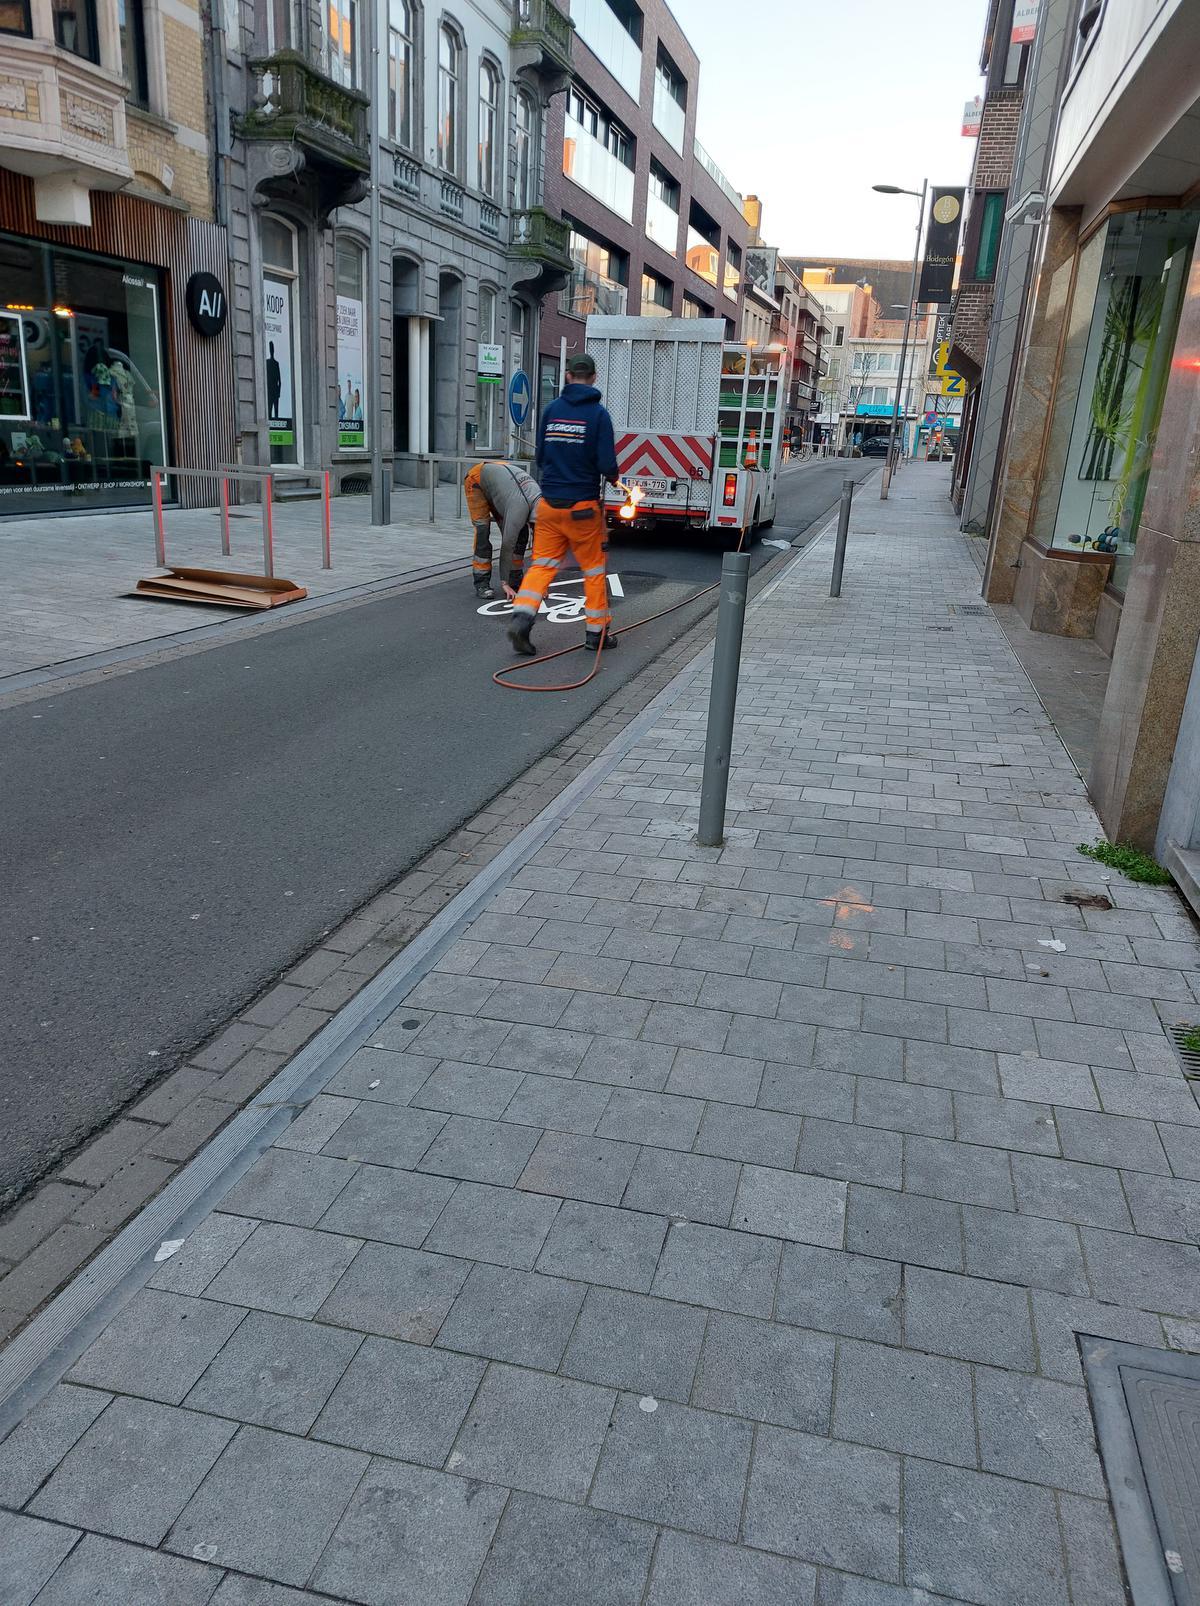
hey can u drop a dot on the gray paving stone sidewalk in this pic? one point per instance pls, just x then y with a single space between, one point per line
709 1226
66 579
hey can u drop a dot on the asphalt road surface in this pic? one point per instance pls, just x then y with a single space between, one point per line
176 837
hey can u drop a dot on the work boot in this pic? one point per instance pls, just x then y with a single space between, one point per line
518 635
484 591
591 640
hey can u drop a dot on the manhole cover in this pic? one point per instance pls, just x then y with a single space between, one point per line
977 610
1189 1057
1087 900
1146 1404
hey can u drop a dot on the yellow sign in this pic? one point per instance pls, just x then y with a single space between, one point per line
941 358
953 384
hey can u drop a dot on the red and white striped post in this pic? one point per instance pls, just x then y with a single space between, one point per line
160 537
268 528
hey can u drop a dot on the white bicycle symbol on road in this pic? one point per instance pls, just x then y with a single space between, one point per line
558 609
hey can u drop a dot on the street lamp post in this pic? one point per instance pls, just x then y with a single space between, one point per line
894 189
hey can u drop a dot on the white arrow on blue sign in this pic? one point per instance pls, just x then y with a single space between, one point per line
520 397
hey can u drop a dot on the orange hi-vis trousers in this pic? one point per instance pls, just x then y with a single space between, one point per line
578 529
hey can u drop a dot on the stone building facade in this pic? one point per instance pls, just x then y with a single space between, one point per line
1093 530
466 247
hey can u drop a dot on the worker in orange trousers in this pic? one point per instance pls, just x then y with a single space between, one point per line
576 453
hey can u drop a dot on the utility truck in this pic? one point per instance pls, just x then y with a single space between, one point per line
698 422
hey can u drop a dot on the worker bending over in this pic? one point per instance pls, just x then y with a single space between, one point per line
503 492
575 455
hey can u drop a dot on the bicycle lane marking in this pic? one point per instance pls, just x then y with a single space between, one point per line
556 609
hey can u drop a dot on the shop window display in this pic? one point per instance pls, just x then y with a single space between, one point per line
1142 275
82 405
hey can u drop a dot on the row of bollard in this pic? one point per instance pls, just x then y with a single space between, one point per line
727 657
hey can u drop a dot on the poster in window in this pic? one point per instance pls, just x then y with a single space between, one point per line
14 380
352 389
277 339
490 366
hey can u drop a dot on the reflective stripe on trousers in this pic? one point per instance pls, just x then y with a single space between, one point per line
556 533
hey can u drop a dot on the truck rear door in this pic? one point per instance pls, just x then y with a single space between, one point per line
672 470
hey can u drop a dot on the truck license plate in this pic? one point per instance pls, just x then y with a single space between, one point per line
653 487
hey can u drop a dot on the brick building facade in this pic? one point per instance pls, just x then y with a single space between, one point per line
1004 66
656 228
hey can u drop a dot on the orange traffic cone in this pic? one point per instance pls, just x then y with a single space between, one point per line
750 459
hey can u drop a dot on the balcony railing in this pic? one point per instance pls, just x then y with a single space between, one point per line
715 173
542 238
594 168
453 198
407 175
597 25
294 101
542 26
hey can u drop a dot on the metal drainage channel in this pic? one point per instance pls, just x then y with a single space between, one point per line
1146 1404
38 1357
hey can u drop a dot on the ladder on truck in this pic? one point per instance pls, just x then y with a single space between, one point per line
749 431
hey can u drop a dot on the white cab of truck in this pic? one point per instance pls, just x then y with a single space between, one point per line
698 422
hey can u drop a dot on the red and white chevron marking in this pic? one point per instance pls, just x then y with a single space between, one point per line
660 455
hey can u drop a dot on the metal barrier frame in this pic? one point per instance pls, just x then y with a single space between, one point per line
435 461
265 476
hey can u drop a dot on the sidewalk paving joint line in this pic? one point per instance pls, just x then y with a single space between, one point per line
41 1353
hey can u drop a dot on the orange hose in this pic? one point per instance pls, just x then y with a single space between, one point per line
500 677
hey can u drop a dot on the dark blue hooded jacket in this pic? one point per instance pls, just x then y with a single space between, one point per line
575 448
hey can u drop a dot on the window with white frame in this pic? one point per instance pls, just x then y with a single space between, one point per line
525 166
401 38
489 128
450 55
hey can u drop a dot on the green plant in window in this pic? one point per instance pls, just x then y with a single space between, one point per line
1130 861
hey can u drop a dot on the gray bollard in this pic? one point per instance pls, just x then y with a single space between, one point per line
722 697
839 546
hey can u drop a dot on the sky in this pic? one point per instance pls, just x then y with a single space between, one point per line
813 101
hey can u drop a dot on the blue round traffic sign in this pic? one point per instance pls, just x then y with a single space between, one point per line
520 397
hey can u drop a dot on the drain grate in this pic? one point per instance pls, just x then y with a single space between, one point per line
1188 1057
939 627
1146 1404
977 610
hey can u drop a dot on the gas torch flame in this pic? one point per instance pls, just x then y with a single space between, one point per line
633 495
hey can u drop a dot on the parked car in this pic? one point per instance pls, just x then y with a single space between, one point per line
875 446
941 452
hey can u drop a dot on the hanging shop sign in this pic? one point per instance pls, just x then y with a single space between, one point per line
352 425
1024 24
207 307
490 367
277 339
941 245
972 117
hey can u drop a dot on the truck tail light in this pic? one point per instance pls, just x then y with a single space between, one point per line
730 490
